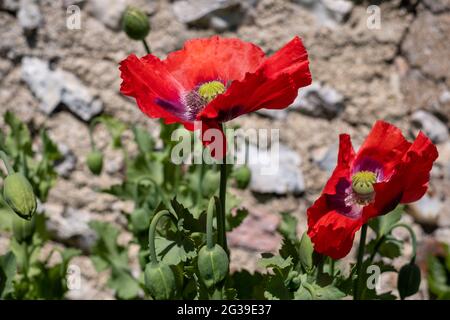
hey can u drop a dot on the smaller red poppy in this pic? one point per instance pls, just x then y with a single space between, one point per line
215 80
386 171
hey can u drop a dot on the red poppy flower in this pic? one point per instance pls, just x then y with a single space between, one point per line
386 171
214 80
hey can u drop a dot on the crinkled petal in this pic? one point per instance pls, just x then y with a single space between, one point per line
273 86
156 92
215 58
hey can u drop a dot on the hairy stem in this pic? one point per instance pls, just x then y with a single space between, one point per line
151 235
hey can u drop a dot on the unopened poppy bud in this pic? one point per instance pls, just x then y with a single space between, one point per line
19 195
242 175
408 281
140 219
160 281
23 230
213 265
135 23
306 252
95 162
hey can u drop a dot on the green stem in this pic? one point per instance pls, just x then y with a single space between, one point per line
413 237
8 165
222 196
361 249
92 125
332 267
151 235
209 222
146 46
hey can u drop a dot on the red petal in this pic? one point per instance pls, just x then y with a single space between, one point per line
386 145
333 233
208 138
148 81
214 58
274 86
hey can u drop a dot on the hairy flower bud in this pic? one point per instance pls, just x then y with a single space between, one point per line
160 281
408 281
306 252
135 24
242 175
213 265
95 162
19 195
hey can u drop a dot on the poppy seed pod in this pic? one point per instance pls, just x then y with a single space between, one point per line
408 281
160 281
213 265
135 24
95 162
242 176
19 195
23 230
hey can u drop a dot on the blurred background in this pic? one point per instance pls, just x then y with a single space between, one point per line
389 61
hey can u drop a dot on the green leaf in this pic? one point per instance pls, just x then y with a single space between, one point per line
189 222
390 248
288 249
276 289
382 224
7 272
328 293
19 140
173 252
248 286
288 226
271 261
437 277
124 284
143 140
234 220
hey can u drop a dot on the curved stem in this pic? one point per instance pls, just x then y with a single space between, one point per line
8 165
151 235
361 249
146 46
209 222
413 237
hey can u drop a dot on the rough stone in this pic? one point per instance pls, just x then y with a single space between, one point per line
274 171
273 114
437 6
426 46
430 125
109 12
319 100
10 5
29 15
427 210
67 164
328 12
326 157
70 226
53 87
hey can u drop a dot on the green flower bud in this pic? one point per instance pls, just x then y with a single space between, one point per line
160 281
242 175
23 230
210 182
213 265
306 252
95 162
19 195
408 281
140 219
135 23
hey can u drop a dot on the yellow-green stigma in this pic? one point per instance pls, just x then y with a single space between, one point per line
362 185
210 90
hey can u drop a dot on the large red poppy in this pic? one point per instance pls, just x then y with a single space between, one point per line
386 171
214 80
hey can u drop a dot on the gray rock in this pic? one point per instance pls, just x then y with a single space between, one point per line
10 5
274 171
427 210
319 100
273 113
437 6
217 14
430 125
326 157
29 15
70 226
442 235
328 12
67 164
109 12
53 87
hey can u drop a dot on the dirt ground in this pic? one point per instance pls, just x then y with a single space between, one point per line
389 73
